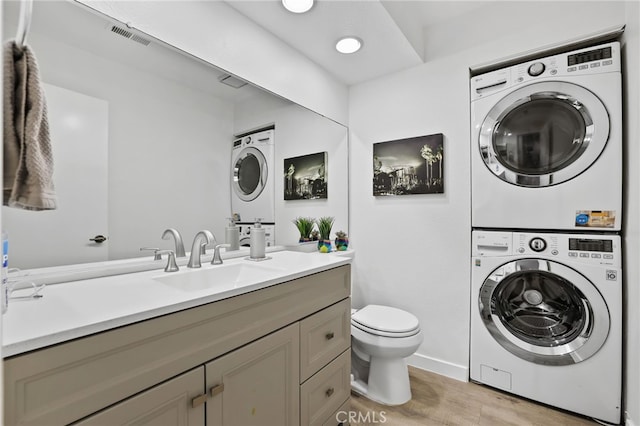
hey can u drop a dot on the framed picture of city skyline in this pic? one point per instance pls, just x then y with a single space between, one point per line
409 166
305 177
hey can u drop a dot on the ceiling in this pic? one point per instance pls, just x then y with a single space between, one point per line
392 31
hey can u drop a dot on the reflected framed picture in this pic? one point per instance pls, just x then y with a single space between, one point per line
305 177
409 166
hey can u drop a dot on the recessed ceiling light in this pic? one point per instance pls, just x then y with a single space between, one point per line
348 44
297 6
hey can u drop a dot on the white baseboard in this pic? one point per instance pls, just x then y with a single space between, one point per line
454 371
627 420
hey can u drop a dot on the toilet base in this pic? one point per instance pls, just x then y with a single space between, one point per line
388 382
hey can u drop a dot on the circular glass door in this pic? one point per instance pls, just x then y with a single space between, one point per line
544 312
544 134
249 174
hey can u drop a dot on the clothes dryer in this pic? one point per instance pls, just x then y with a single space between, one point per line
546 141
252 178
546 318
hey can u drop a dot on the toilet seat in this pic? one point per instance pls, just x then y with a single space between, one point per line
385 321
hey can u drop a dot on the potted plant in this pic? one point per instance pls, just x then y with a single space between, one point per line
342 241
325 224
305 226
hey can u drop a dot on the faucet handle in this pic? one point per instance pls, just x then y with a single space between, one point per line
156 254
217 258
172 266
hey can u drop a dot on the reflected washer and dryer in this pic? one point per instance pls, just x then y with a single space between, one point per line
546 140
252 177
546 318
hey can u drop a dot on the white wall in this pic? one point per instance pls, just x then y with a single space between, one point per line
413 252
300 132
218 34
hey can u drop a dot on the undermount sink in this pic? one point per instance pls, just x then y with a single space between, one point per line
221 278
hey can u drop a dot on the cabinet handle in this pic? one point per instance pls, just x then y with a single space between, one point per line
198 400
216 390
329 392
329 335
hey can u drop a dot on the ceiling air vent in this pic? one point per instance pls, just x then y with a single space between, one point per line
130 35
232 81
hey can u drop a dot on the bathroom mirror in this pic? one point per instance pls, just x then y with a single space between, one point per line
142 138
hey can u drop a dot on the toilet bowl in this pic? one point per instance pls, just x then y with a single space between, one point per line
381 338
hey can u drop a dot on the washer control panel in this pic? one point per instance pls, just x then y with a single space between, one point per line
583 248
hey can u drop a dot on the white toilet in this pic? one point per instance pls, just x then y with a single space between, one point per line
381 338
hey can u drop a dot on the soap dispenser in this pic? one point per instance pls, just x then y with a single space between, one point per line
232 235
257 241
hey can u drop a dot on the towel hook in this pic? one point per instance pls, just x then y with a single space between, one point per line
24 23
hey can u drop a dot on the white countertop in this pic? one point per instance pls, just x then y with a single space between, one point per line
80 308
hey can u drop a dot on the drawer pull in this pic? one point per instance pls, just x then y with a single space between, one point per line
329 335
216 390
198 400
329 392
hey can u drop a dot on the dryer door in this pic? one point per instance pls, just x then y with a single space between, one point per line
544 134
544 312
250 173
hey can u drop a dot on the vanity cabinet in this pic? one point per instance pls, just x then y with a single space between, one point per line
279 355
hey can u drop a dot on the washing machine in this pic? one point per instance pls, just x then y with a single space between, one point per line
546 318
252 178
546 140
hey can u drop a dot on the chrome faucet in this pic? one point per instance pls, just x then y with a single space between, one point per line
178 239
200 241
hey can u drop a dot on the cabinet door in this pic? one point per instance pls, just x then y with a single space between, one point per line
175 402
256 384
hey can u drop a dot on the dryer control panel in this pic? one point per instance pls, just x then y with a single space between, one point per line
605 58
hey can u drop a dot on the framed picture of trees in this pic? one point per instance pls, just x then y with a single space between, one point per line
305 177
409 166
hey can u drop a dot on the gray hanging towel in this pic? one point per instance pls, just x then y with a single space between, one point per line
28 158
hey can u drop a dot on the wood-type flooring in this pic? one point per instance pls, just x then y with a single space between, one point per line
439 400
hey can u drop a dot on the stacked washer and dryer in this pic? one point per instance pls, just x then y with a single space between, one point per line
546 292
253 183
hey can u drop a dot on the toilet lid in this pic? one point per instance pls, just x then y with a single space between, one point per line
385 319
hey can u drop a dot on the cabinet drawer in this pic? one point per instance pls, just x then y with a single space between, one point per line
326 391
323 336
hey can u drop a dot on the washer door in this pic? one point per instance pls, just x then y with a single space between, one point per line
544 312
250 174
544 134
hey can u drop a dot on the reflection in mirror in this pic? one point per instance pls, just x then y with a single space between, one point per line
142 137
